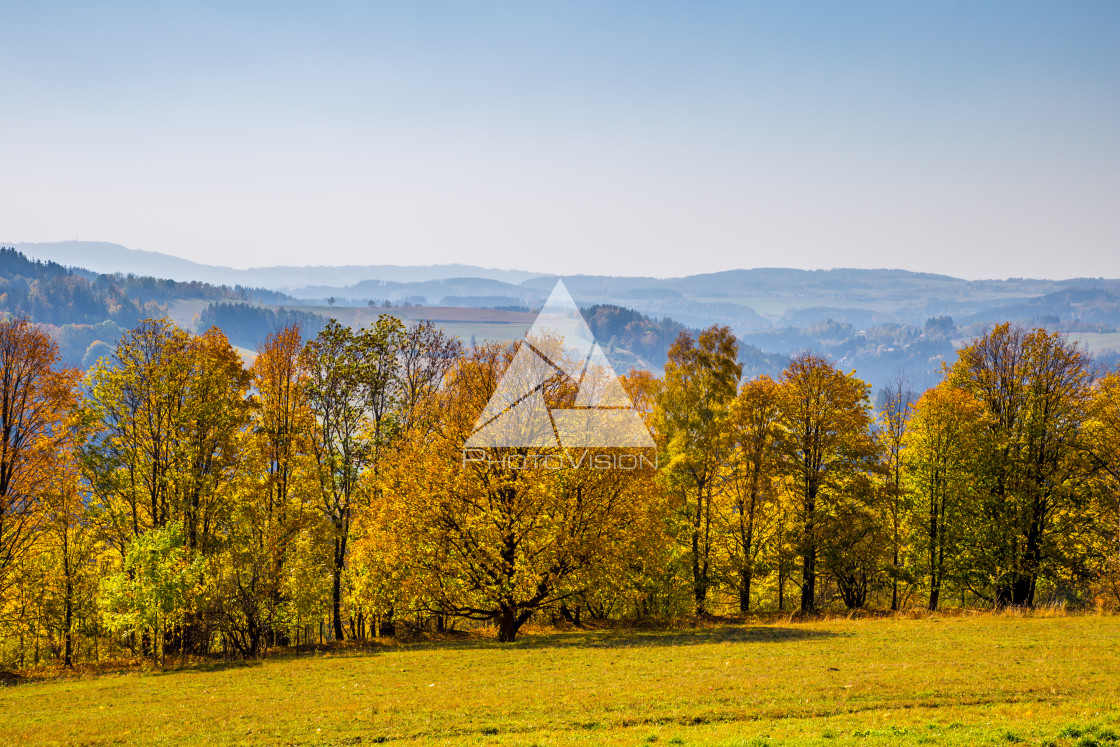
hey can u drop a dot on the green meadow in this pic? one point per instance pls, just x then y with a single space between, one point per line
939 680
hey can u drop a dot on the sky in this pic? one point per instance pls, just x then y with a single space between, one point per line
628 138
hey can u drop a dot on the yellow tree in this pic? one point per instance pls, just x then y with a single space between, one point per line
1101 441
944 438
70 547
694 403
826 442
897 404
272 507
497 534
133 458
216 410
749 477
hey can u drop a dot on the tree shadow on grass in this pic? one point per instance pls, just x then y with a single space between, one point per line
628 638
197 667
576 638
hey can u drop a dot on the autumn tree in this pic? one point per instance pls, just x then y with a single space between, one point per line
749 477
352 384
1035 388
694 403
497 534
166 416
132 458
826 423
944 438
274 503
897 401
854 538
36 397
1101 443
70 547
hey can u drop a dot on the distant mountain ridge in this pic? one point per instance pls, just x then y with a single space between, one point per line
105 257
878 322
758 300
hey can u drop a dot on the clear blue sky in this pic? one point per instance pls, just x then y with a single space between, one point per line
975 139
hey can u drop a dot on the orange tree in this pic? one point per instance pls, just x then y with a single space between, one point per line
35 400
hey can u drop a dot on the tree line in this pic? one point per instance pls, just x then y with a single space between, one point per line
173 501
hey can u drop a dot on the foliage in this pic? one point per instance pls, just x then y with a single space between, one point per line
175 501
693 407
826 450
1035 388
156 586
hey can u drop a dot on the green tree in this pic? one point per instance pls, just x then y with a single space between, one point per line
154 591
1036 389
165 418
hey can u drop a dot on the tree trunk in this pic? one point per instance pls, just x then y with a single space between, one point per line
894 581
336 597
699 583
809 582
569 615
809 555
744 591
69 622
508 624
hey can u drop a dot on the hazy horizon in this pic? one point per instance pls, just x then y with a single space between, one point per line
46 254
653 139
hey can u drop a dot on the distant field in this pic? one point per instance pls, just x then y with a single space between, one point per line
774 305
1096 342
183 312
941 681
484 324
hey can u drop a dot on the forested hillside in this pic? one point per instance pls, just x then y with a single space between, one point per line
87 312
48 292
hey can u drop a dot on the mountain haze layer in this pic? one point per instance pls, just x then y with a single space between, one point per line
110 258
879 322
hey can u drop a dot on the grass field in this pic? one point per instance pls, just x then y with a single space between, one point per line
941 680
